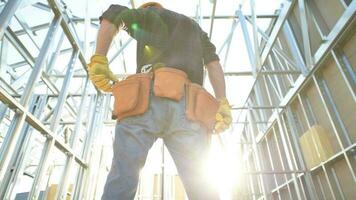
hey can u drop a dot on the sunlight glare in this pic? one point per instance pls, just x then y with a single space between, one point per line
223 170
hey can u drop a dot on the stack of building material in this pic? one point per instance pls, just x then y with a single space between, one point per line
316 146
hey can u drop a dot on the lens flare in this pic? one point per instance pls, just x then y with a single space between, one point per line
223 170
134 26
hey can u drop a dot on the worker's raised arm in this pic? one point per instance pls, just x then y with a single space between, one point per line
106 33
98 68
110 22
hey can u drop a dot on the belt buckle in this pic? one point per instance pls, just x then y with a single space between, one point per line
146 68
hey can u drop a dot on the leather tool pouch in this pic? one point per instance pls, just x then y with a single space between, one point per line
131 96
201 106
169 83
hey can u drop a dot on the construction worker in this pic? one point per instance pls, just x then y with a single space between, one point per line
174 41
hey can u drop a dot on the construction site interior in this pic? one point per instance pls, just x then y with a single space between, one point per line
290 71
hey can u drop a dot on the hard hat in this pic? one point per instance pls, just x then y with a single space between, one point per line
151 4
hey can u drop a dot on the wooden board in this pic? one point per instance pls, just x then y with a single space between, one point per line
316 146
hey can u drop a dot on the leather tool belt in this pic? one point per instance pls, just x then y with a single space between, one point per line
131 96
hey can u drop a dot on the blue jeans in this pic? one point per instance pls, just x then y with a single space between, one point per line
186 141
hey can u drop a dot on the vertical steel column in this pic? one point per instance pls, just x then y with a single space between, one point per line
55 54
252 58
280 154
278 82
272 164
93 159
318 20
254 195
101 165
94 125
13 176
320 186
4 45
283 66
308 178
245 158
305 34
63 95
212 19
283 14
306 111
228 41
288 153
268 91
79 185
198 12
255 35
62 189
334 117
3 110
8 147
293 46
86 43
7 13
253 130
337 182
346 70
64 92
332 111
248 44
78 124
49 145
310 119
275 48
285 128
41 59
3 62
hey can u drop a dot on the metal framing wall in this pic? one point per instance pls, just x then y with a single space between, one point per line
29 119
283 107
304 71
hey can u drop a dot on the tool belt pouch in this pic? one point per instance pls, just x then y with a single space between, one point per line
201 106
169 83
131 96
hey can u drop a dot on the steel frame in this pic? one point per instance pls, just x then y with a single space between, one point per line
283 118
281 72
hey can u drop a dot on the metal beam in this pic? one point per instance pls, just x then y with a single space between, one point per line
265 16
35 123
257 107
49 144
6 14
212 19
271 72
9 146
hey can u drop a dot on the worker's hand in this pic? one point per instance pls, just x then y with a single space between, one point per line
100 74
223 116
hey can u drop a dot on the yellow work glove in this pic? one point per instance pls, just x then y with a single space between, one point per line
223 116
100 74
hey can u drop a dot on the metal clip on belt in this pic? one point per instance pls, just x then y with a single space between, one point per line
146 68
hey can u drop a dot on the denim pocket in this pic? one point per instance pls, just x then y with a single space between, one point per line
137 119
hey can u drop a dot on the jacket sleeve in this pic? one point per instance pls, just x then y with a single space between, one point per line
114 14
209 49
131 20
